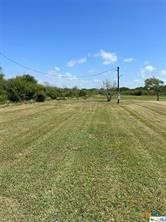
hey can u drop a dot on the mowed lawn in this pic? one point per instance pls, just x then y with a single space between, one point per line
82 161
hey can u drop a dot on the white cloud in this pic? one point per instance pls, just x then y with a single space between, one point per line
128 60
149 68
57 75
55 72
163 75
163 72
70 76
107 57
145 71
57 68
73 62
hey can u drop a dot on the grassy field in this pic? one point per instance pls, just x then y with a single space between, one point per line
82 161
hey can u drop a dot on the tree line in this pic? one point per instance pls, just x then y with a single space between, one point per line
152 86
26 88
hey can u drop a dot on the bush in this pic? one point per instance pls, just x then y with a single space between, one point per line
40 96
137 92
51 92
82 93
3 99
20 89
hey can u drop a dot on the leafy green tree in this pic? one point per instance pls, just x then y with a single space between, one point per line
1 80
28 78
2 87
154 84
21 88
16 89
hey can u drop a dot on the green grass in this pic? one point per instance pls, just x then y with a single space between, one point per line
82 161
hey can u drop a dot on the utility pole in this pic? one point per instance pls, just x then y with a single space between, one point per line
118 89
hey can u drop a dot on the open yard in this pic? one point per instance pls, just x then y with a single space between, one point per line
82 161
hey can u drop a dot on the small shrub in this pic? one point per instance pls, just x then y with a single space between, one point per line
3 99
40 96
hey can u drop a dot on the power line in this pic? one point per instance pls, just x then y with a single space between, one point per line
97 74
60 75
19 64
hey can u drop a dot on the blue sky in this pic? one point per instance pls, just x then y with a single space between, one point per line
67 39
